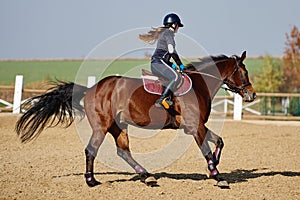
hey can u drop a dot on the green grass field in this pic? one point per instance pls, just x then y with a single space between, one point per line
35 71
66 70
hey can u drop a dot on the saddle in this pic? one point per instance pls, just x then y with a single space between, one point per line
154 85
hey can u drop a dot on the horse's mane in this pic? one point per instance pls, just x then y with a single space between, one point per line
205 62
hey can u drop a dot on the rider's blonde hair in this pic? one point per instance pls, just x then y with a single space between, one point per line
152 36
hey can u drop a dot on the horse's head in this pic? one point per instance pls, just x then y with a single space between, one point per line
238 80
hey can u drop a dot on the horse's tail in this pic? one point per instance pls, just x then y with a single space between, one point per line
55 107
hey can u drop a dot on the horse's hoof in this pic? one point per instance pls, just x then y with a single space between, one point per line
90 180
93 183
223 184
151 181
148 179
213 174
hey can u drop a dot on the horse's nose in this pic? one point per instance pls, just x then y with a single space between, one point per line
254 95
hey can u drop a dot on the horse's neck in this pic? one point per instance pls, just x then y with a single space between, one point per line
216 85
218 74
212 83
213 75
226 68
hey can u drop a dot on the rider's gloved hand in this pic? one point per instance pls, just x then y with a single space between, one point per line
174 66
181 67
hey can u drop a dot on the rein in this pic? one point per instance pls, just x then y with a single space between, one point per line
212 76
202 73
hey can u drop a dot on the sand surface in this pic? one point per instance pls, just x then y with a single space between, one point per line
260 160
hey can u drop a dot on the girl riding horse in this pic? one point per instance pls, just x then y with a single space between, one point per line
165 50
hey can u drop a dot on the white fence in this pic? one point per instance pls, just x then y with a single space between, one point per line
18 89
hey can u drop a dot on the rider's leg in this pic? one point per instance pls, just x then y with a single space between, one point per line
165 99
165 71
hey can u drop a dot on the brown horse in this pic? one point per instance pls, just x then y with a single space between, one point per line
116 102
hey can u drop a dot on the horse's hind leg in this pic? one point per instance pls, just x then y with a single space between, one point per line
121 138
90 153
99 125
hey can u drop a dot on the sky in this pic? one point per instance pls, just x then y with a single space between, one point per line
43 29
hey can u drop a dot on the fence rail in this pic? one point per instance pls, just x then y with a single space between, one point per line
274 106
8 106
12 88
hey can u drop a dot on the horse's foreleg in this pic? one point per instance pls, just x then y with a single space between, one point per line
202 138
213 159
90 153
217 140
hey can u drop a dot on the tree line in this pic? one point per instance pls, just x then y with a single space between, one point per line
276 76
282 75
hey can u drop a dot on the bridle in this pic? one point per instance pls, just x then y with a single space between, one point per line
231 86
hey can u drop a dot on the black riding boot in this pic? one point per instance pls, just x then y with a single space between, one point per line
166 99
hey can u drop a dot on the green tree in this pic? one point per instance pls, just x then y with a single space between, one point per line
271 76
291 62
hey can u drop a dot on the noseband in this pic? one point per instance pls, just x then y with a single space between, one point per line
233 87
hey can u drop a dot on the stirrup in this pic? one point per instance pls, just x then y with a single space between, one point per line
165 103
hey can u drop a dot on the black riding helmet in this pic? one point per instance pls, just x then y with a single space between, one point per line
172 18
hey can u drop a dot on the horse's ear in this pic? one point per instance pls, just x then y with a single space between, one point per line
243 56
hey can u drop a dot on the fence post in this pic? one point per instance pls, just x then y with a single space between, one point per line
225 106
91 81
18 94
238 106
